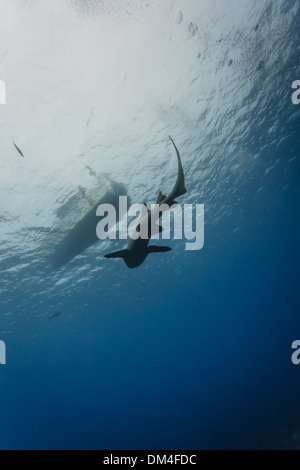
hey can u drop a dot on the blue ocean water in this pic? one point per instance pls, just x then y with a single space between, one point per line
192 350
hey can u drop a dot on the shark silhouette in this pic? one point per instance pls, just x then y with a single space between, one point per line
54 315
138 248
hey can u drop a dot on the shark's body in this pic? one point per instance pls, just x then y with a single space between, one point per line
138 248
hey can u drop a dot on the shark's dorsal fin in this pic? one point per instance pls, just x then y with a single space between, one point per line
160 197
158 249
145 204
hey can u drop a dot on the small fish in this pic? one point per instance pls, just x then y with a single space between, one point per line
53 315
260 65
19 150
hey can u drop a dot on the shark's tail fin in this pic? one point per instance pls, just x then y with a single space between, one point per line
117 254
180 179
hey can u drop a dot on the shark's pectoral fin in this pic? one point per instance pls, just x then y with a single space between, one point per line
158 249
117 254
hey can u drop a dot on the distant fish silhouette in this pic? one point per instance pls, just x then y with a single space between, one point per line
19 150
53 315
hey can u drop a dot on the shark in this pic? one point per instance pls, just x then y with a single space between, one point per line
138 248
